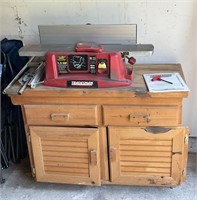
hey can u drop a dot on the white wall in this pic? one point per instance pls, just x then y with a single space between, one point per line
170 25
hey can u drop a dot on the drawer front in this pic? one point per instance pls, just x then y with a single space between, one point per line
142 116
61 114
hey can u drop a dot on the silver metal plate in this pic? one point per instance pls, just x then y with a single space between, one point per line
41 50
100 34
112 37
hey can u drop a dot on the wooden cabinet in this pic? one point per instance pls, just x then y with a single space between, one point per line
125 136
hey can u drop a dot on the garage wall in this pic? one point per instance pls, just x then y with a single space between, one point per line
170 25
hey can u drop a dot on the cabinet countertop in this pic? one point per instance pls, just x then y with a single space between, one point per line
137 89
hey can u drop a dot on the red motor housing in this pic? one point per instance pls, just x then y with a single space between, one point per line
86 70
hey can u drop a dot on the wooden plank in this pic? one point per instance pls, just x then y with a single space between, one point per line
68 143
94 168
178 141
66 164
44 94
64 155
143 180
104 153
59 99
58 149
114 138
66 169
185 154
146 148
29 145
176 171
147 142
79 158
145 164
63 133
145 158
144 169
101 34
146 153
146 174
177 157
136 133
72 177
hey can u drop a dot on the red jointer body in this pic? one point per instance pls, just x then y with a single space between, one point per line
86 69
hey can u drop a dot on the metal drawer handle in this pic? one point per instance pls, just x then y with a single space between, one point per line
93 157
139 116
60 116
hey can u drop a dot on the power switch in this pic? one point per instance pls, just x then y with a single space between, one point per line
92 60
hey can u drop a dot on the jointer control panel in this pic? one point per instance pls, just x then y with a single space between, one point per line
86 69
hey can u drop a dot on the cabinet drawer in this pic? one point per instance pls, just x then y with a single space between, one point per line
61 114
142 116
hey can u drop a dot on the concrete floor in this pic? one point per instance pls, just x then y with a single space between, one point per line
20 186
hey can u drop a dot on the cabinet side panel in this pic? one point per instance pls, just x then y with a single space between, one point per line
29 145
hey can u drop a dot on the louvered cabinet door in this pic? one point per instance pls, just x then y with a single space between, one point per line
66 155
140 157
